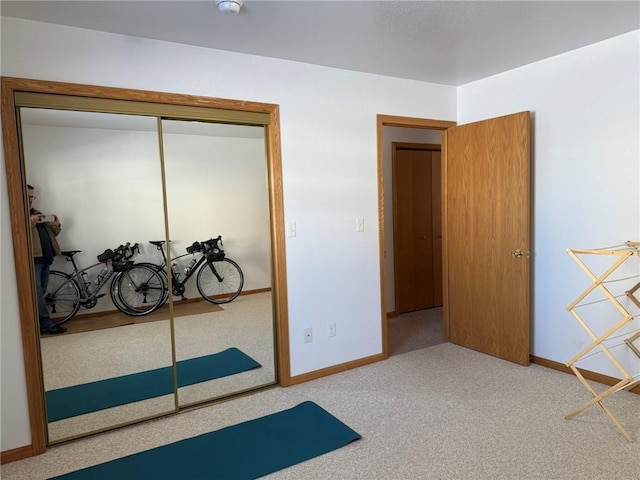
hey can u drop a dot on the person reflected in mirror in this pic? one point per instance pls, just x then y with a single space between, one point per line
44 230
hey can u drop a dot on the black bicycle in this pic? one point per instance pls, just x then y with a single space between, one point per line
219 279
135 290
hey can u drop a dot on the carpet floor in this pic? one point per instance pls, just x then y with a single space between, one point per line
442 412
414 330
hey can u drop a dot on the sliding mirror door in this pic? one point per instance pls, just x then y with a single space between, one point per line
217 187
116 172
100 175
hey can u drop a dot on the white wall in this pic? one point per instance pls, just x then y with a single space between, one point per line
14 416
586 174
106 187
328 139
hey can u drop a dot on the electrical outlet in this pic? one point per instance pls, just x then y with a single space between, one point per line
359 224
291 229
332 329
308 335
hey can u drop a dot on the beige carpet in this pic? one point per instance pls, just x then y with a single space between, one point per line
92 321
414 330
443 412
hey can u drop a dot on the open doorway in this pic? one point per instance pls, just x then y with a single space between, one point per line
417 320
405 328
490 315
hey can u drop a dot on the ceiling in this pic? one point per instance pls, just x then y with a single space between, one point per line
445 42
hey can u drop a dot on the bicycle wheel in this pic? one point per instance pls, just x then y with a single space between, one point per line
138 291
62 297
163 274
115 298
220 281
178 287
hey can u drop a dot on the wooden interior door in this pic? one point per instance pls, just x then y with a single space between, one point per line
487 236
417 227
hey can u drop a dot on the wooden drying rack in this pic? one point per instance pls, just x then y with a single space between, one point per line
624 253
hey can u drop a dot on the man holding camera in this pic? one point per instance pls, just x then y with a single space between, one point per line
45 247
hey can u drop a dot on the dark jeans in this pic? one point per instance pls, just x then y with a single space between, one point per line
42 280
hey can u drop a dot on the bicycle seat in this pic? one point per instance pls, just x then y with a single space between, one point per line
70 253
157 243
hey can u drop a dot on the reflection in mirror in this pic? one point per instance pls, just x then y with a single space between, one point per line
100 175
217 185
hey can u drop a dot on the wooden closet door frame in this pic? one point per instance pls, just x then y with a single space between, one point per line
17 200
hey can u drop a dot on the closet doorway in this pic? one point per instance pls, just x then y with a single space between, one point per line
47 125
417 226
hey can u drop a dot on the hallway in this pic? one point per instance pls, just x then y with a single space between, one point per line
415 330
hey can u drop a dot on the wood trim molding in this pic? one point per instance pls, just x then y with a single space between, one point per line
589 375
24 274
16 454
382 252
343 367
278 254
114 93
413 122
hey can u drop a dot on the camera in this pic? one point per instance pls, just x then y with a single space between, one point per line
48 218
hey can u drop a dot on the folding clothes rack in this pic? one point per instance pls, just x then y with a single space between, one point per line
621 254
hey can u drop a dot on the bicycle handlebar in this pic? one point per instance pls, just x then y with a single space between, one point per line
122 252
211 246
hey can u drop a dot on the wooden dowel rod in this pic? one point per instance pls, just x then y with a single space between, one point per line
597 341
596 280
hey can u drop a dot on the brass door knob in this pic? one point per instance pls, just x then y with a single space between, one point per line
517 254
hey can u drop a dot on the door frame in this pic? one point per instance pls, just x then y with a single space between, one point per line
424 124
17 200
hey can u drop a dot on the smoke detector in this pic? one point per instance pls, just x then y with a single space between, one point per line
229 6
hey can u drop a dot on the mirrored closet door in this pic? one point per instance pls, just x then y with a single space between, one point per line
99 173
217 188
168 282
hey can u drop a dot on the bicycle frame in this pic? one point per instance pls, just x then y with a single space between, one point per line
193 270
177 284
142 293
88 290
220 282
177 281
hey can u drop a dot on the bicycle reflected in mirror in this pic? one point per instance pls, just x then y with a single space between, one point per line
219 279
135 289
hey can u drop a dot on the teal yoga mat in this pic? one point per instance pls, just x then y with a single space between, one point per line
112 392
245 451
